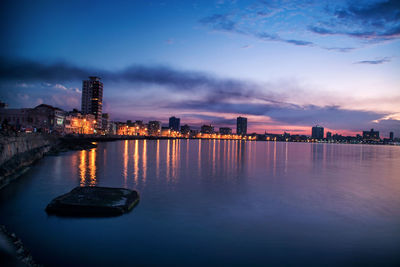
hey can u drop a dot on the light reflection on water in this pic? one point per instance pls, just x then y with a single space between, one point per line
218 202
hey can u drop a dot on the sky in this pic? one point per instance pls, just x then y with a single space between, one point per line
285 65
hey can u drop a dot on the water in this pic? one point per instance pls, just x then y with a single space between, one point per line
217 203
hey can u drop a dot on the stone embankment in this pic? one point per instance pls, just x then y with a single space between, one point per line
19 151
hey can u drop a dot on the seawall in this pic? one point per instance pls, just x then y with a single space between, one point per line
18 152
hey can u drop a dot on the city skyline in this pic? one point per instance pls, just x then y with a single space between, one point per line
211 61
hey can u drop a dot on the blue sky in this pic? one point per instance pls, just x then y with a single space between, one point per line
286 65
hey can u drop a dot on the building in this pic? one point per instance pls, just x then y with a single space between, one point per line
371 135
317 132
105 123
328 135
174 123
78 123
185 130
391 136
44 118
92 98
154 128
241 126
207 129
224 130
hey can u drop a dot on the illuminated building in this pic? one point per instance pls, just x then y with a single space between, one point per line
92 97
77 123
44 117
207 129
317 132
371 135
174 123
154 128
241 126
185 130
224 130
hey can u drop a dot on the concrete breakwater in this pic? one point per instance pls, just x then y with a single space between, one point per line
19 151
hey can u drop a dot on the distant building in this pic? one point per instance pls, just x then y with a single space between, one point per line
391 136
317 132
241 126
92 98
185 129
207 129
105 123
371 135
154 128
224 130
174 123
328 135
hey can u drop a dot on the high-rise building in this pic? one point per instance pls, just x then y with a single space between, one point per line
92 98
241 126
317 132
391 136
174 123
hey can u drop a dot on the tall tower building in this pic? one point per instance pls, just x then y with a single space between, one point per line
92 98
241 126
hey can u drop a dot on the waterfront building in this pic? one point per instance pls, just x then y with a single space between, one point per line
317 132
371 135
241 126
78 123
185 130
92 98
391 136
174 123
328 135
105 123
154 128
207 129
225 130
44 118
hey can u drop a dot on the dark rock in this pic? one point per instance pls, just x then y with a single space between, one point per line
94 201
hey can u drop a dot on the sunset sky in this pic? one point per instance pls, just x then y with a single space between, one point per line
286 65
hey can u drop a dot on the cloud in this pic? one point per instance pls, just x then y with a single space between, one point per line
158 91
226 23
374 62
376 21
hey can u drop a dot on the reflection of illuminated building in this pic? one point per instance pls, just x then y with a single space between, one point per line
87 168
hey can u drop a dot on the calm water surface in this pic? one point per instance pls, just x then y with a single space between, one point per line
217 203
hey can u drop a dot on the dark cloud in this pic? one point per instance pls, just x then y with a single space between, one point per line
32 71
377 21
374 62
223 22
